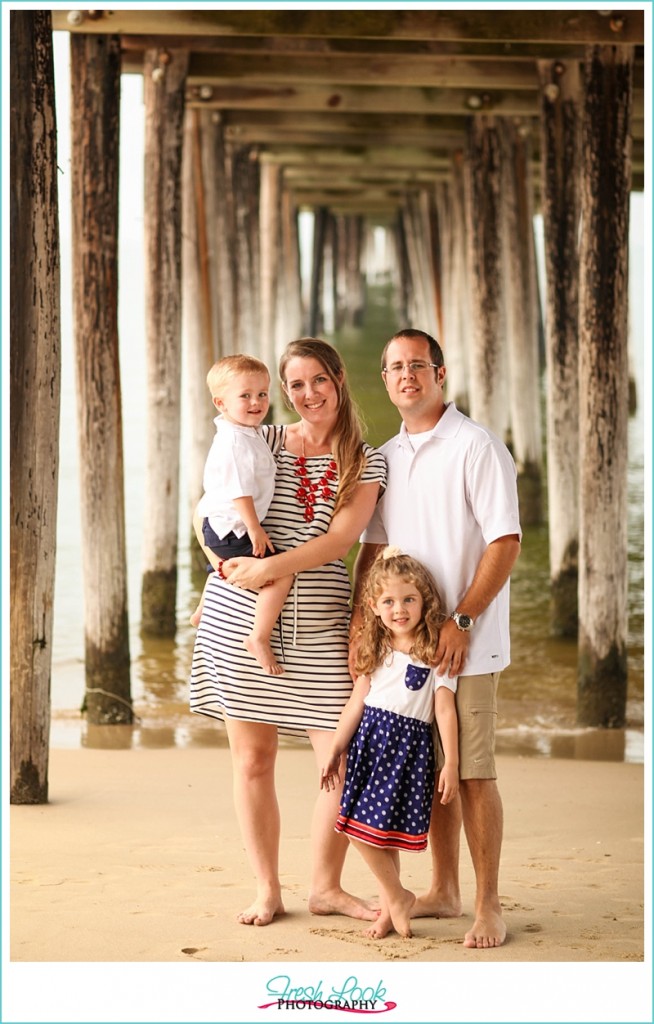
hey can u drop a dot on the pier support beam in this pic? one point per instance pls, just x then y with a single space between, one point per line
270 261
604 386
95 132
560 199
164 75
320 216
35 382
198 304
522 319
289 320
245 187
488 395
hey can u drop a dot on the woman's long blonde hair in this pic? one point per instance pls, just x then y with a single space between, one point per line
376 641
347 440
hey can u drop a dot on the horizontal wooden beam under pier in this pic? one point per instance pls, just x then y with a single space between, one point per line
525 26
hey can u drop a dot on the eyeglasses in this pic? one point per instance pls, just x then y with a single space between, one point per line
415 366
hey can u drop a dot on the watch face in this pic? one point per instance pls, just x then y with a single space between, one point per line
465 621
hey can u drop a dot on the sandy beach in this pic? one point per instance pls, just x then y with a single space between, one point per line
137 857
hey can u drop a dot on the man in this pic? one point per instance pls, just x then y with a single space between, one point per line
451 502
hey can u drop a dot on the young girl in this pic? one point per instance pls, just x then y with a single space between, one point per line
389 781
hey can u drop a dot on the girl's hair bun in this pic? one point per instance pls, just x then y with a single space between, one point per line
391 552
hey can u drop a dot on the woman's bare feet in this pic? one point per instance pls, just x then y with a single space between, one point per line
262 911
340 902
262 651
437 904
400 912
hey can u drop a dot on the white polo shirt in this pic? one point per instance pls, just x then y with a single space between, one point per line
239 464
444 503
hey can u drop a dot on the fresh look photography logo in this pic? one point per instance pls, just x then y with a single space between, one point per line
351 996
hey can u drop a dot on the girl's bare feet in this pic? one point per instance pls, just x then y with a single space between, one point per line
262 911
380 929
262 651
400 912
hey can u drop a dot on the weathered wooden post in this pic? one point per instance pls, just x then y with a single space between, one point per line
403 269
488 397
197 308
35 381
315 306
221 231
457 318
521 318
289 320
560 101
269 255
604 386
355 302
95 120
450 338
164 73
417 230
245 188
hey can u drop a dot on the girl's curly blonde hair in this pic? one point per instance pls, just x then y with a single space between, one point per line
376 641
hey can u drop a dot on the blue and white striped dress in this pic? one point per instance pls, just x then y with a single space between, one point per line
311 637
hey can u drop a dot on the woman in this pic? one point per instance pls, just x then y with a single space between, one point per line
328 482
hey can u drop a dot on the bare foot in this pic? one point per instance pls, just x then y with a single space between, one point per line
400 911
196 616
262 911
381 928
487 931
262 651
340 902
435 904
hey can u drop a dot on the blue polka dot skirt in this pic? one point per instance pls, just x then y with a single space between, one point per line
389 781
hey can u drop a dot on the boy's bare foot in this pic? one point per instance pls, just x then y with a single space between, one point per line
196 616
262 911
400 911
340 902
488 931
262 651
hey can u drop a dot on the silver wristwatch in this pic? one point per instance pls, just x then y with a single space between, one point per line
463 622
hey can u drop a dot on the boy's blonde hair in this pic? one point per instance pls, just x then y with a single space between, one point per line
376 641
227 367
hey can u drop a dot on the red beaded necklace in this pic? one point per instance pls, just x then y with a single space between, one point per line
309 489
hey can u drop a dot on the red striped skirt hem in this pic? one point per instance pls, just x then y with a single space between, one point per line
380 837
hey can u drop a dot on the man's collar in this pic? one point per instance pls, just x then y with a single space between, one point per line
447 426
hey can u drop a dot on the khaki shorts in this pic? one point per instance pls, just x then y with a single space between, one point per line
476 706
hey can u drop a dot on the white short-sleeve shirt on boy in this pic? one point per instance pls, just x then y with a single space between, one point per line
239 464
450 493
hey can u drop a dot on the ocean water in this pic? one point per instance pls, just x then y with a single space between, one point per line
538 691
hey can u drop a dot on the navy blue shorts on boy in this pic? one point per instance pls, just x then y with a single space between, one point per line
230 546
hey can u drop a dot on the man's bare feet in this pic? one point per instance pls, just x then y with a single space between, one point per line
262 651
262 911
340 902
400 912
487 932
436 904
